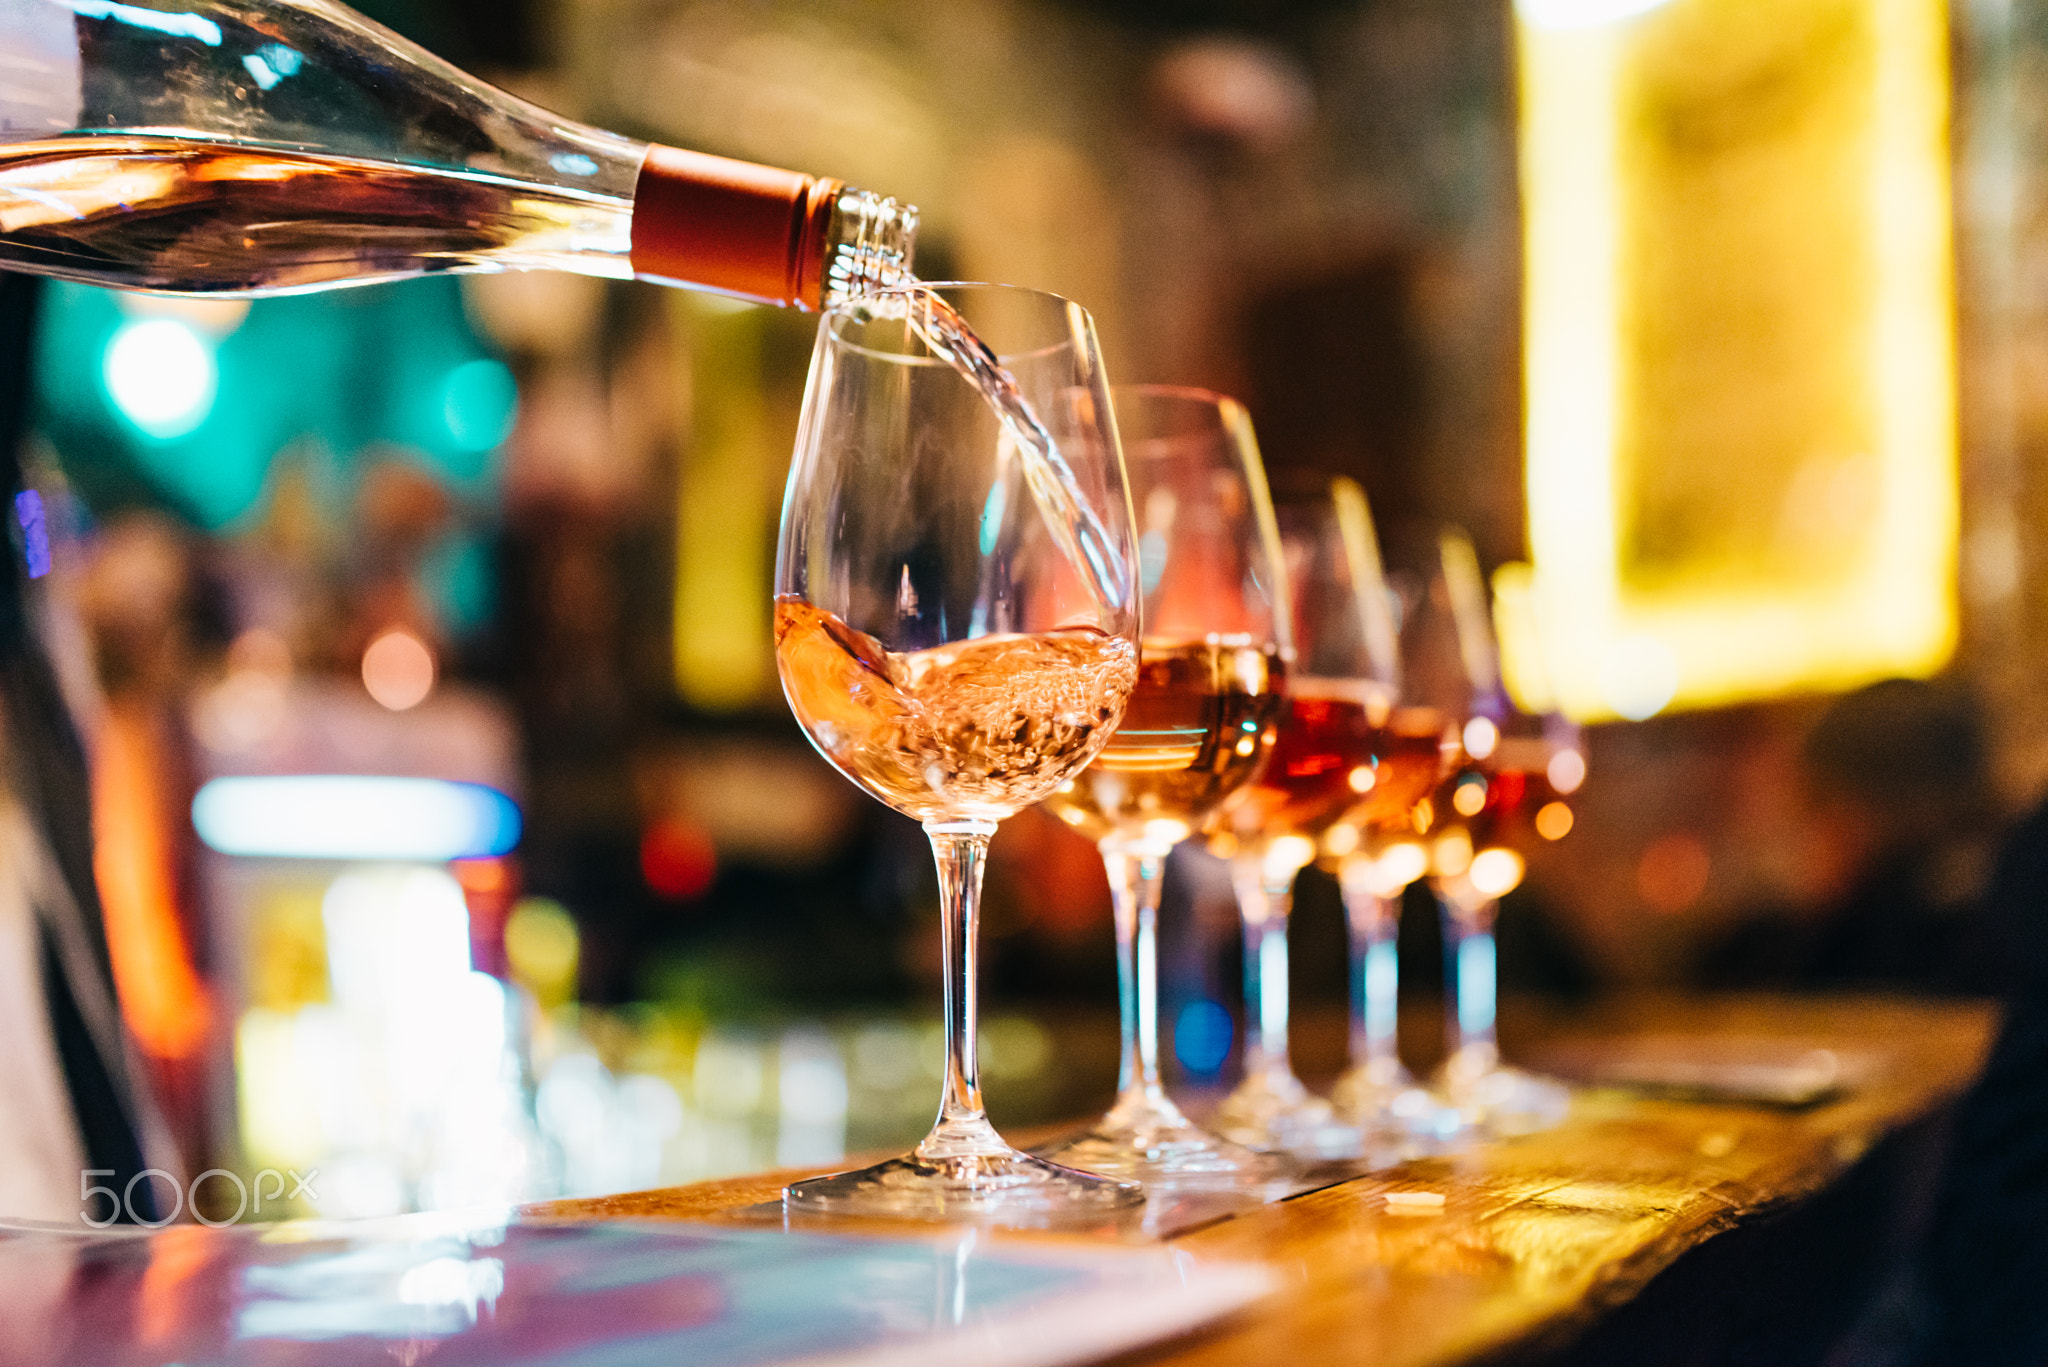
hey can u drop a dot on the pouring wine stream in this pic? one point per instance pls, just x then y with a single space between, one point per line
1072 522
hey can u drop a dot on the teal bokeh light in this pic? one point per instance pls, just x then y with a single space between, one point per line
478 403
392 371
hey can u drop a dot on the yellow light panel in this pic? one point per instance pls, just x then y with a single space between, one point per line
725 515
1739 345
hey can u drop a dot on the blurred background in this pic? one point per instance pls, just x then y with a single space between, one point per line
1775 268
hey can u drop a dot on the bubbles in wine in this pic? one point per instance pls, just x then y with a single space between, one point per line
976 728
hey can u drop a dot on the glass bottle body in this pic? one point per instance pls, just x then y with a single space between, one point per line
270 146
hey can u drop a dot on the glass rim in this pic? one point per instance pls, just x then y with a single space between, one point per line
1193 393
830 319
1222 417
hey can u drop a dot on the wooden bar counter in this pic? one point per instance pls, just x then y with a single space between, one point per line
1541 1243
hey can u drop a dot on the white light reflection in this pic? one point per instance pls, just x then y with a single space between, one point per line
423 1284
177 25
465 1284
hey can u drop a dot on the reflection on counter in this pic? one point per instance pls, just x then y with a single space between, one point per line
375 1053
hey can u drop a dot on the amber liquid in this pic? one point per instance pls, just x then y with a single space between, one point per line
974 728
1327 731
1200 722
150 211
1411 754
1516 786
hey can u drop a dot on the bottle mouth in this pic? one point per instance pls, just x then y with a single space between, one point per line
873 237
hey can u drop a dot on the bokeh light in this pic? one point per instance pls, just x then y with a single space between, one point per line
677 859
1469 797
1639 677
1581 13
1495 872
398 669
1451 853
353 816
479 402
1201 1036
161 375
1566 771
1401 864
1672 873
543 948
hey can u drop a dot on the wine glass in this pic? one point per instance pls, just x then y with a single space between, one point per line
1378 851
1198 727
1506 791
957 631
1339 697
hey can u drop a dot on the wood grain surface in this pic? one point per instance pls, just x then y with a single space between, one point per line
1536 1236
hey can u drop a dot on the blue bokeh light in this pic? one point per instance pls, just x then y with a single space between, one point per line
1202 1034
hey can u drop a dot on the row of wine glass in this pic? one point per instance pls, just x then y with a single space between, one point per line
944 649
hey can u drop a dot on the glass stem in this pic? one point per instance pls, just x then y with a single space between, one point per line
1375 980
1135 874
1469 955
961 851
1265 899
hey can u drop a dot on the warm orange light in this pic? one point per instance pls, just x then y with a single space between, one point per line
170 1302
398 669
1495 872
162 997
1553 821
1341 840
1469 797
1451 854
1672 874
1401 864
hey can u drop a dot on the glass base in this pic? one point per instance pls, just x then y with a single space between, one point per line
1382 1099
1271 1112
1146 1138
1006 1187
1500 1101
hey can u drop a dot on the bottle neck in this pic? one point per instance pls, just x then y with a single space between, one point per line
780 237
868 245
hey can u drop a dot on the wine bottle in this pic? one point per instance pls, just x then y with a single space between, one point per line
276 146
